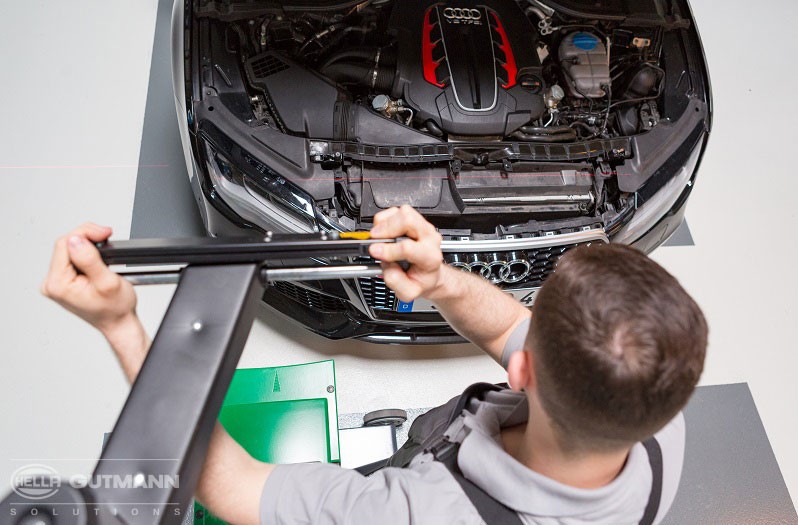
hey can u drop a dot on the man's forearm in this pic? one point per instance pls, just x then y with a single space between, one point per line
231 480
477 310
130 343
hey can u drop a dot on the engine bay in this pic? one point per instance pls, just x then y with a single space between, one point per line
490 117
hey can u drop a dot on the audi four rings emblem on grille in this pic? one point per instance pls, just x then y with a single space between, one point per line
505 268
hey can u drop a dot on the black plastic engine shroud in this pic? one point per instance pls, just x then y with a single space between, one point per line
471 67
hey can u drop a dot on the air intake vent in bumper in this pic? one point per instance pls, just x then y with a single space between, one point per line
310 298
376 294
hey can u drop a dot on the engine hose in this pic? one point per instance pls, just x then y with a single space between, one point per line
537 130
557 137
365 54
379 78
537 11
590 129
338 32
433 128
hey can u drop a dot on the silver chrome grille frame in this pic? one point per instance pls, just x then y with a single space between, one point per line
510 243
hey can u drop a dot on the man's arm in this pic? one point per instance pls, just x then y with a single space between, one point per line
231 481
475 308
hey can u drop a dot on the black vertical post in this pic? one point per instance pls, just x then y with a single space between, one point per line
159 442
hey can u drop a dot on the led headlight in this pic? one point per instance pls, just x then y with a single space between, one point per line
257 193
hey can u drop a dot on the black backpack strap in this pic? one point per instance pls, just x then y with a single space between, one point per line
490 510
655 460
371 468
445 452
478 391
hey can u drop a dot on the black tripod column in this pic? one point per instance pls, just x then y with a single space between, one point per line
162 435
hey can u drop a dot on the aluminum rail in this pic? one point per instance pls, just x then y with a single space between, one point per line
586 198
300 273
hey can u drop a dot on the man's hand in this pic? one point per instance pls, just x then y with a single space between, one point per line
80 281
421 249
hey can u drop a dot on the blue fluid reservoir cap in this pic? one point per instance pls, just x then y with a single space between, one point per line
585 41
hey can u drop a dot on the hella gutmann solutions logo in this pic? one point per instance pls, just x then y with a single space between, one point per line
39 481
35 482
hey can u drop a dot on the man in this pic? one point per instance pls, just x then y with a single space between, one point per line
612 350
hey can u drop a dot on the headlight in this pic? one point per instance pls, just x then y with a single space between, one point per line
649 214
257 193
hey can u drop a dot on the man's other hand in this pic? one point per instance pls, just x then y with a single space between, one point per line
421 249
80 281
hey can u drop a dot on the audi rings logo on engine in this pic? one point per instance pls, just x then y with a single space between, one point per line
459 15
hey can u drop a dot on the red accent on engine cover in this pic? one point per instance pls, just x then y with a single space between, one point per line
427 46
509 59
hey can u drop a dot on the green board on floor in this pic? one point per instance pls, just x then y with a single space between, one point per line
281 415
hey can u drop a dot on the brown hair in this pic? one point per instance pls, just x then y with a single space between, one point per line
618 347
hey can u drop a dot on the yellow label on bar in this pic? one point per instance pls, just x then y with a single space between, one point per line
359 236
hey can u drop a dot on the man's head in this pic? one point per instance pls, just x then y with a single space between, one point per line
617 347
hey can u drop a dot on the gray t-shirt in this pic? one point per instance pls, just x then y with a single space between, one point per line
426 493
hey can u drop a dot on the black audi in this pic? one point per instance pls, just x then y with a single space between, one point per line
520 128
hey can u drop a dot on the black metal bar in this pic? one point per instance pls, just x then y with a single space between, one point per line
209 250
162 435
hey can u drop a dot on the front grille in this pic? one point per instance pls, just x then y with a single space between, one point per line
310 298
526 268
376 294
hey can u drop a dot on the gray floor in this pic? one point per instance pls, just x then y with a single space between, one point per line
681 237
71 146
163 205
730 474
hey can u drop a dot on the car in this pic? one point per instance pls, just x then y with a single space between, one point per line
519 128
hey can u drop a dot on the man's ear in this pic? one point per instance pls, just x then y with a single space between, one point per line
521 371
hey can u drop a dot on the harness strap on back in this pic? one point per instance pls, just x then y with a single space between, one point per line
655 496
371 468
475 391
490 509
495 513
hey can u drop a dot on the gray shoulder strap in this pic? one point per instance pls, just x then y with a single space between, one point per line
491 510
515 342
654 498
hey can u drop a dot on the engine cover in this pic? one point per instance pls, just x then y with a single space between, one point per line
471 67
